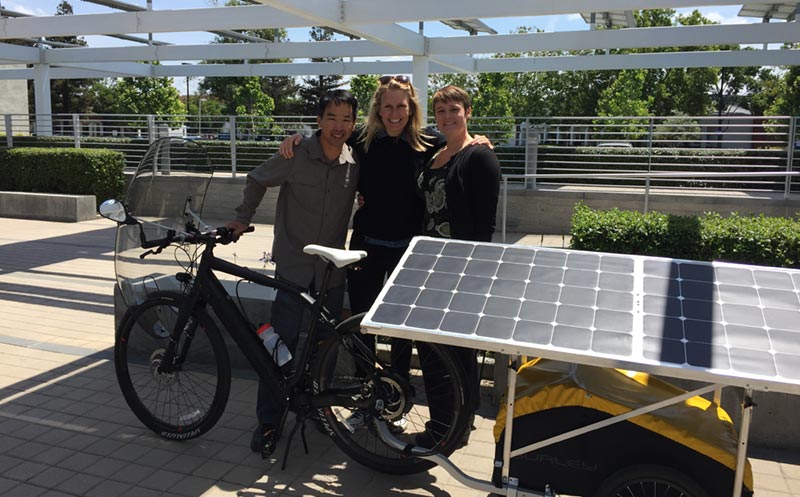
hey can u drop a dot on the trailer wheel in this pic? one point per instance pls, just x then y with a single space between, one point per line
649 481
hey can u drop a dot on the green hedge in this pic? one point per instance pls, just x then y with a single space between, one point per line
768 241
63 170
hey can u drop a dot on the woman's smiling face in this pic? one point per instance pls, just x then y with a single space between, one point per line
451 118
394 111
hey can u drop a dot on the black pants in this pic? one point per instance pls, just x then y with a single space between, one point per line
365 283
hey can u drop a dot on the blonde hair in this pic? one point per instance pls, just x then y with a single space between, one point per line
413 129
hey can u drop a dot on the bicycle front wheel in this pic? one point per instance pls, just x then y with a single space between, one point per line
178 401
422 397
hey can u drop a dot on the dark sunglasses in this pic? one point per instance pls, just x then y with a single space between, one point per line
400 78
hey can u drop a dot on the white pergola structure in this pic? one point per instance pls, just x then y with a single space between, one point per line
376 33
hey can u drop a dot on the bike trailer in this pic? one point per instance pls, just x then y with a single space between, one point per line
695 437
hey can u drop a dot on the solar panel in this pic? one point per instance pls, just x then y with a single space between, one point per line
716 322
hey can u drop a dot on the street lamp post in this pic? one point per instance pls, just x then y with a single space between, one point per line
188 113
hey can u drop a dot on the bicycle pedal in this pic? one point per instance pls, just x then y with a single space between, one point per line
267 450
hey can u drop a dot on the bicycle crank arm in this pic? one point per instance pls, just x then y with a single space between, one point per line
329 399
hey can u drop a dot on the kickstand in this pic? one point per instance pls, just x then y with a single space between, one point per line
299 423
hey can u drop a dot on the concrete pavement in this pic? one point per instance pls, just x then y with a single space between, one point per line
66 430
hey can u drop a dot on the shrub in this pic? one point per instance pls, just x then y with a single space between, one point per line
63 170
759 240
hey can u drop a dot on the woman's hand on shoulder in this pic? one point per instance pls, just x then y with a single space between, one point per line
481 140
287 145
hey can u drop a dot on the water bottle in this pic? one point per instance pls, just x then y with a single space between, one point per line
275 345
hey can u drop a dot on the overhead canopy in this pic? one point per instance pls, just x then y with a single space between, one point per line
380 43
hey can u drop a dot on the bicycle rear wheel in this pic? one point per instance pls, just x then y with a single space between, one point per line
345 363
186 400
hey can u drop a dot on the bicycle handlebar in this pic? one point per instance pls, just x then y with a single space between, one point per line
221 235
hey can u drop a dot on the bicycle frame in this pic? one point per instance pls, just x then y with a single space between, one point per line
208 290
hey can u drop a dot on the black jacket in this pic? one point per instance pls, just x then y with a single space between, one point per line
392 210
472 187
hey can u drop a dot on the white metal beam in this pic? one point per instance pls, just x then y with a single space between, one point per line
115 69
533 64
737 58
708 35
16 54
155 21
388 11
225 51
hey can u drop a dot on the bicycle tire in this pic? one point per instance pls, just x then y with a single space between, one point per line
335 369
649 480
179 405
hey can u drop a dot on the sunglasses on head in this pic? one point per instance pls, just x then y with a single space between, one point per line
400 78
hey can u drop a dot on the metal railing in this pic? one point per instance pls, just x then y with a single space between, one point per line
552 152
644 179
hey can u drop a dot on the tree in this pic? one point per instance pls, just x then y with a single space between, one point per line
282 89
148 96
788 101
314 87
362 87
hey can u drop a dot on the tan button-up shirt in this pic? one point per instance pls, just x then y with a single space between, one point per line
314 206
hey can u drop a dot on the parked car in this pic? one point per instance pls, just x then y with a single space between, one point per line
615 144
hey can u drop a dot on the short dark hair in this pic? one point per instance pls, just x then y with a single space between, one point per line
337 97
452 93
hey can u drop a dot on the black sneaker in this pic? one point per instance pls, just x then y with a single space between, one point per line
265 438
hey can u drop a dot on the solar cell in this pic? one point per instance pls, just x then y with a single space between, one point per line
715 322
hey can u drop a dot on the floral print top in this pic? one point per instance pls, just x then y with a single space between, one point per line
437 217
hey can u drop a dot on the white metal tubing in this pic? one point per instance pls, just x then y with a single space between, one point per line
76 130
509 431
9 131
790 155
744 434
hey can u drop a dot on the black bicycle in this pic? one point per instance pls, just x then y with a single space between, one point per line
174 370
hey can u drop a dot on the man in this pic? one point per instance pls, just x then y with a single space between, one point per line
317 188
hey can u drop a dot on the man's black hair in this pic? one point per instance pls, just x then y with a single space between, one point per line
337 97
